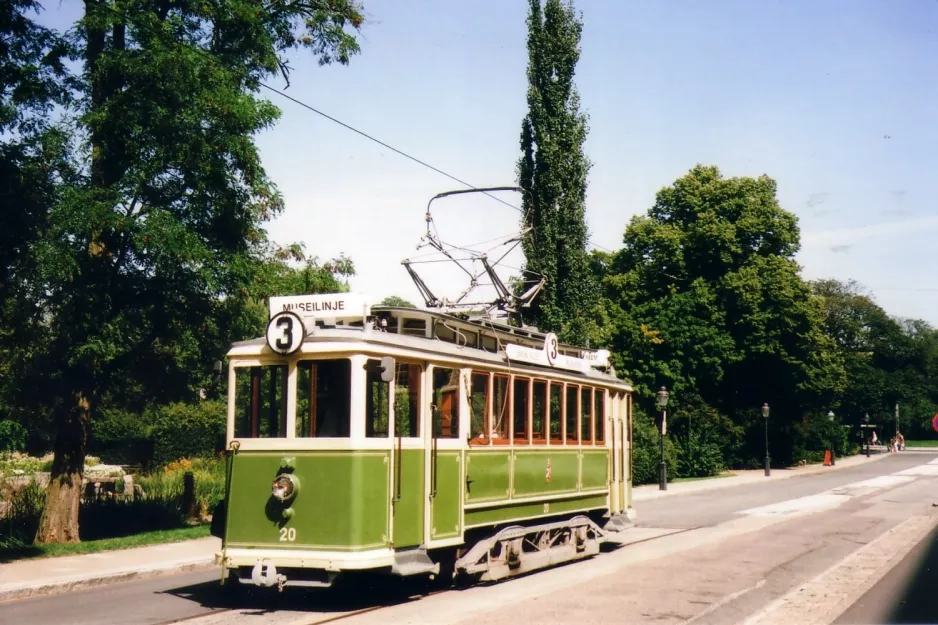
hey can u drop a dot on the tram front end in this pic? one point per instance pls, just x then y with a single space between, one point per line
308 486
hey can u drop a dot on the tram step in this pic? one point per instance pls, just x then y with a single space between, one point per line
414 562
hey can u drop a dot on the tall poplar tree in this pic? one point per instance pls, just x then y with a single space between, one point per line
552 171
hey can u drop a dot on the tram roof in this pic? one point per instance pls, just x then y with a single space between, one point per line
444 335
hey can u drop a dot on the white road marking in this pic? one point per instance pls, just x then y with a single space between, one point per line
925 469
801 505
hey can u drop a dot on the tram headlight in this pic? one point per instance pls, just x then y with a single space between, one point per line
284 487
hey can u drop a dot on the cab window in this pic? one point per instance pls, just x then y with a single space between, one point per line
445 406
323 398
261 401
407 400
376 402
478 408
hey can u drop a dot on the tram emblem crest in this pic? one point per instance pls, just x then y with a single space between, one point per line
547 473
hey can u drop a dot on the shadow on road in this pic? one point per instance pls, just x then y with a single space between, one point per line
917 602
348 594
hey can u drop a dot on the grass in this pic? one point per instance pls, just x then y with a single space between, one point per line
106 544
709 477
931 443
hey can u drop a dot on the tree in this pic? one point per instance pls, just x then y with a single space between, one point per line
161 235
706 298
886 360
33 159
394 300
552 171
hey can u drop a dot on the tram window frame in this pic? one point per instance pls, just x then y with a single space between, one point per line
586 414
477 437
540 394
331 406
408 370
376 390
521 405
571 395
600 411
438 403
254 419
500 417
555 438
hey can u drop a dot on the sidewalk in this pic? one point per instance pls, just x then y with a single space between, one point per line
44 576
646 492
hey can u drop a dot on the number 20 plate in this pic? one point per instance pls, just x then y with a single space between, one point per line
285 332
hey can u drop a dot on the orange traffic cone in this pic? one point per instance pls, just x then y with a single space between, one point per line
827 457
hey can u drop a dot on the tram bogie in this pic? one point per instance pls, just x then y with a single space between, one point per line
409 442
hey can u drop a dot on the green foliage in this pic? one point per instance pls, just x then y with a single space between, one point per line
137 241
188 431
552 171
705 297
13 436
394 300
646 451
122 437
19 525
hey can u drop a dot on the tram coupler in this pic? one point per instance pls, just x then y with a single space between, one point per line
265 574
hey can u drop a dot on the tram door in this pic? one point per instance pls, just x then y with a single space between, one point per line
615 422
408 455
444 460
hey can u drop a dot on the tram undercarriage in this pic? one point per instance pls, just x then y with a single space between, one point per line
511 551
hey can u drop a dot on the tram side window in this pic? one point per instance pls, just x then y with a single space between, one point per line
599 414
539 413
586 407
572 412
520 405
500 398
556 412
478 407
323 398
407 400
261 401
376 402
445 403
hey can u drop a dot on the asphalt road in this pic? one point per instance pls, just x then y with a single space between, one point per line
907 594
718 574
717 506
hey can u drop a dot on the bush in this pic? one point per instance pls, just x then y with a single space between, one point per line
18 528
13 436
122 437
813 436
188 431
706 441
167 483
698 458
646 451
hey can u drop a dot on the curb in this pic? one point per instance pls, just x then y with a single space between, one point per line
38 589
720 483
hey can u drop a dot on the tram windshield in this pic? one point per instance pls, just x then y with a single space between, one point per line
323 398
261 401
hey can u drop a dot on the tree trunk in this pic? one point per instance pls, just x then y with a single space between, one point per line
59 522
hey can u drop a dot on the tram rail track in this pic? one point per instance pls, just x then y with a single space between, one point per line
322 619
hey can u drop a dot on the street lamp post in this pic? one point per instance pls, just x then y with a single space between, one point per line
866 420
830 417
662 405
765 416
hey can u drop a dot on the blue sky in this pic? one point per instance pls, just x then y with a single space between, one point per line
835 99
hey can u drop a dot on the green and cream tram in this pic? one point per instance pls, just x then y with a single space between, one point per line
413 442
